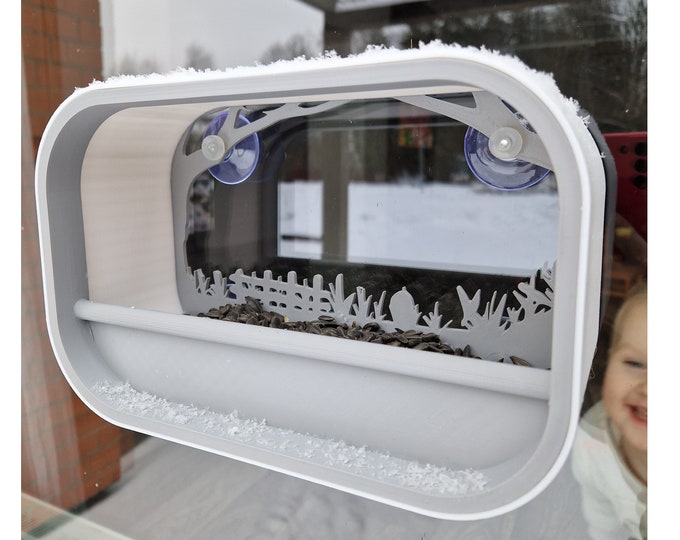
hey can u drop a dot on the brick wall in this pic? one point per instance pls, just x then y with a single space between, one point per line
68 453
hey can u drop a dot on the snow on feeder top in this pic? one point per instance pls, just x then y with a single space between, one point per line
380 273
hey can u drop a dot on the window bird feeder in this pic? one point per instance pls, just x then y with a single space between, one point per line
380 273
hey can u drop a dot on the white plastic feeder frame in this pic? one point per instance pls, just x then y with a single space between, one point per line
109 322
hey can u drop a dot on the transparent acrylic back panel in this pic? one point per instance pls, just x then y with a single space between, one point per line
380 192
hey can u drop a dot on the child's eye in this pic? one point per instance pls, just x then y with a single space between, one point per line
634 364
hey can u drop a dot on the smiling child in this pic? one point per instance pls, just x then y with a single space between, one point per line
610 451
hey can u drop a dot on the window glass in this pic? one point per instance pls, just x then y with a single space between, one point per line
83 477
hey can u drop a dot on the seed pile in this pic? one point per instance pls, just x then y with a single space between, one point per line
252 312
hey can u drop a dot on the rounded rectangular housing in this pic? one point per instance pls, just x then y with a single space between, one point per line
317 267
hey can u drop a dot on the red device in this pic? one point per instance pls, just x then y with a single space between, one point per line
630 157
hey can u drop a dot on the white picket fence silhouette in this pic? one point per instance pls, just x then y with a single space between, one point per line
297 301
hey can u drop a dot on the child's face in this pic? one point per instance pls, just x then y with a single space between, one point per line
624 391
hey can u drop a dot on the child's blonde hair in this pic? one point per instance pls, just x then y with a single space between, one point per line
637 292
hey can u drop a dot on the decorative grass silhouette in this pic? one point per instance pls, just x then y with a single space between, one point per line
493 330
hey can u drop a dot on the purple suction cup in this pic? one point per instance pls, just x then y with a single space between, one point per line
494 163
241 159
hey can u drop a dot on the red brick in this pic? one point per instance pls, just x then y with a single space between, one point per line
81 411
41 99
89 31
87 9
43 5
103 458
60 404
67 28
40 370
82 55
32 271
33 289
76 77
33 359
88 445
39 120
92 466
109 475
69 467
127 440
52 370
46 481
109 435
30 244
67 446
36 140
48 25
44 47
78 406
32 302
31 275
34 399
87 422
100 440
34 46
61 45
41 73
70 497
37 21
28 480
32 331
100 478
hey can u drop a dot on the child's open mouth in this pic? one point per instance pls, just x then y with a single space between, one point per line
639 413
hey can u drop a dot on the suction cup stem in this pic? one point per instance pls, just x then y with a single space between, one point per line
493 160
213 147
241 159
505 143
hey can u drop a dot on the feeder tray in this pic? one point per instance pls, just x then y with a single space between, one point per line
215 275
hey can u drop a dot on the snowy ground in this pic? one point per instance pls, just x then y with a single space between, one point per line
436 225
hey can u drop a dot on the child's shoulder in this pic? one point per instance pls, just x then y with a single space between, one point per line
594 456
595 422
